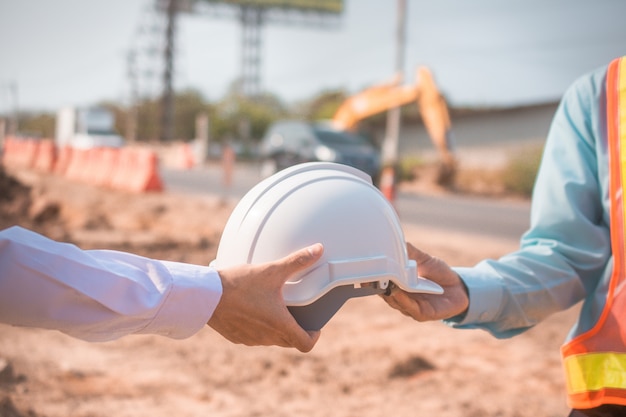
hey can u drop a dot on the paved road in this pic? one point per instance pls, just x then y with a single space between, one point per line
487 217
483 216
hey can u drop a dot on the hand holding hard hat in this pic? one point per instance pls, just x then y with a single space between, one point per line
332 204
425 307
251 310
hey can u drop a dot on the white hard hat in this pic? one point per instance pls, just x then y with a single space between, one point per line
332 204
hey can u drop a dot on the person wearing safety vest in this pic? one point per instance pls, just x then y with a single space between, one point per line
574 250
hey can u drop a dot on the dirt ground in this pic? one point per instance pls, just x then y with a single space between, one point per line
370 361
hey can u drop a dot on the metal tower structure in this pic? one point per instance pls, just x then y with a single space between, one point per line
251 21
252 16
167 101
146 69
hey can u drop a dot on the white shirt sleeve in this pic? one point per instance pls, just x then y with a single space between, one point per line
100 295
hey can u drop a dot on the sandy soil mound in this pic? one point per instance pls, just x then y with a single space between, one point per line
371 361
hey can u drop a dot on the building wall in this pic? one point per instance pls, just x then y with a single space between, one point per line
501 129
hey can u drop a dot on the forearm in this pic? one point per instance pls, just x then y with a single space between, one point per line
100 295
566 250
510 295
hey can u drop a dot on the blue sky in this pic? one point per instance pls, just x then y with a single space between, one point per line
482 52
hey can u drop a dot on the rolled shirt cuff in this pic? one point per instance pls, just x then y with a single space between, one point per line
194 295
485 295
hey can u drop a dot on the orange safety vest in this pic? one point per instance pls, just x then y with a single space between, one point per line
595 361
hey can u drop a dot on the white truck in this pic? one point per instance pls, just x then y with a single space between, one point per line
87 127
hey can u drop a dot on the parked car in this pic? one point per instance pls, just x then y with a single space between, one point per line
291 142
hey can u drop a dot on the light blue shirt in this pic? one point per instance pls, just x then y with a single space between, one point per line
565 256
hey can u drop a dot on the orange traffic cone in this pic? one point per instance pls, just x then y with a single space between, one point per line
388 183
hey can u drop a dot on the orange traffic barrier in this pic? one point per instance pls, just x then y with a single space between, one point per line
19 153
8 149
137 171
45 156
123 169
78 166
127 169
180 156
104 166
91 171
31 146
64 157
146 177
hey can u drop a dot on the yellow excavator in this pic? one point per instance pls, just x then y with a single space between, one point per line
431 104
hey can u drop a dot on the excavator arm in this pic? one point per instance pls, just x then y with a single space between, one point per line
424 93
434 112
373 100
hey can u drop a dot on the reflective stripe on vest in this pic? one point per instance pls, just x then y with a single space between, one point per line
595 361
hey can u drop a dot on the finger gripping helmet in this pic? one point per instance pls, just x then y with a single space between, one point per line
332 204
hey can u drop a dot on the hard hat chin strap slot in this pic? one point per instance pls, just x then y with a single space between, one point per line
315 315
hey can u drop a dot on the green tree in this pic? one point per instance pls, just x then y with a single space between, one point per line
148 120
187 106
237 116
324 105
37 124
520 174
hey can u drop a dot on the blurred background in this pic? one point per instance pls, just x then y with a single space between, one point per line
454 93
215 72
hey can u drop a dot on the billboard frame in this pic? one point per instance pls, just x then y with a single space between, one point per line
319 6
